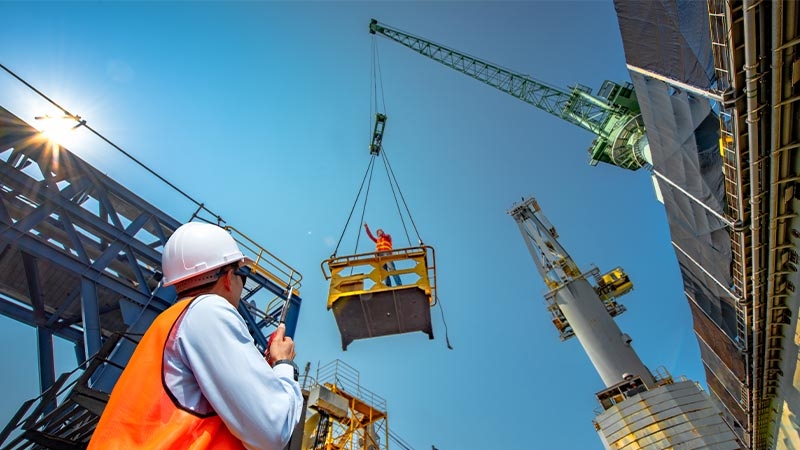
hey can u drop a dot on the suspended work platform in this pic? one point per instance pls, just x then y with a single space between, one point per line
368 302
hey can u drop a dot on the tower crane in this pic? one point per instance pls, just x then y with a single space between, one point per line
613 114
580 309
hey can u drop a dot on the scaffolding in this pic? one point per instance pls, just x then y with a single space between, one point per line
343 415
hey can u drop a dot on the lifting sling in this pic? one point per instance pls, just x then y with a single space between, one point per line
364 306
361 295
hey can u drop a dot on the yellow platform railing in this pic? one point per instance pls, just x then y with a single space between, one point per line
365 273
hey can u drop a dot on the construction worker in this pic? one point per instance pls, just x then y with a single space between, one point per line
383 246
196 380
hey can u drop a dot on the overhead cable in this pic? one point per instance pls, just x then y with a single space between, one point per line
82 122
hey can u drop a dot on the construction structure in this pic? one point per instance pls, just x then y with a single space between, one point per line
716 87
81 260
343 415
640 410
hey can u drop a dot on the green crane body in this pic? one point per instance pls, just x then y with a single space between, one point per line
612 115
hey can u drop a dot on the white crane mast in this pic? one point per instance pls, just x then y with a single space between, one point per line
576 304
640 410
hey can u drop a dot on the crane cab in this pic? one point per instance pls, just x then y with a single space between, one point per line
367 303
614 283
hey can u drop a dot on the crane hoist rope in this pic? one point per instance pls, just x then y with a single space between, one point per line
361 295
377 151
376 145
392 183
367 174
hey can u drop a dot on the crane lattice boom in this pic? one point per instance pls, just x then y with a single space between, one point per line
612 115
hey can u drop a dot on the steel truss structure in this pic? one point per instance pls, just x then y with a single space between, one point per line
80 259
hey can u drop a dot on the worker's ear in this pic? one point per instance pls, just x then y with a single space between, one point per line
226 280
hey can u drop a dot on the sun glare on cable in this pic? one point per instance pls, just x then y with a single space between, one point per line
57 129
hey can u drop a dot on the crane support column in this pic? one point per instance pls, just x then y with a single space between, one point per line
576 304
641 410
607 346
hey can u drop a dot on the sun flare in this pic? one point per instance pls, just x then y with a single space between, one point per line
57 129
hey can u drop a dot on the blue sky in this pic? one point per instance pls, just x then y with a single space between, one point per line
263 111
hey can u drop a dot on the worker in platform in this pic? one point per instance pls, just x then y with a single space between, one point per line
196 380
383 246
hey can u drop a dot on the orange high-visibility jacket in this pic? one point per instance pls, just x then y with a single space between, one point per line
383 243
140 413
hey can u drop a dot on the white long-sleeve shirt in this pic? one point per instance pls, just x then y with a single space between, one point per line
211 365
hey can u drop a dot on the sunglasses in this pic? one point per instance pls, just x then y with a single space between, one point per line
242 272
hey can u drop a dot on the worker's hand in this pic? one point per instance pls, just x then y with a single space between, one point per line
280 346
365 225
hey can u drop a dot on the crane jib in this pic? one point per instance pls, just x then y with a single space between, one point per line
612 114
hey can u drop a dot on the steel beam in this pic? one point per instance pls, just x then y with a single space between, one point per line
14 310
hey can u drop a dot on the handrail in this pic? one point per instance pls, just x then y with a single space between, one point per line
348 260
282 273
331 268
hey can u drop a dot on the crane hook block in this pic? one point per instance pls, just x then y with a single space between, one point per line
377 134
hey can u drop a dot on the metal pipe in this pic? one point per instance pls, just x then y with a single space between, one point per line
694 199
777 171
706 272
729 120
756 171
672 81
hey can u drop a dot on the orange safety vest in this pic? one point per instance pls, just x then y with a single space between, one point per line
140 413
383 244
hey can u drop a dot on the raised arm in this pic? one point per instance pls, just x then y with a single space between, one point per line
369 233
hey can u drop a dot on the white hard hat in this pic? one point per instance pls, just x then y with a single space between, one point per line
196 248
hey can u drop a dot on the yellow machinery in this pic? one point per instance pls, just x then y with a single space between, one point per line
344 415
365 306
614 283
608 286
